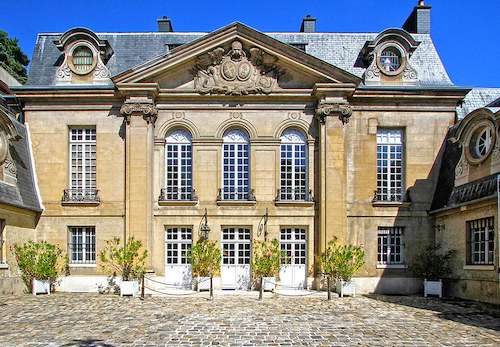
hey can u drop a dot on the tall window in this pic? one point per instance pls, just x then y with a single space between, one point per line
390 245
236 168
390 165
3 250
293 241
236 246
178 170
481 241
293 167
83 164
82 245
178 244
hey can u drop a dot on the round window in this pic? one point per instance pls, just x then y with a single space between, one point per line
480 142
390 59
82 59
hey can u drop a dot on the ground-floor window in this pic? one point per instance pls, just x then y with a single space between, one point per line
236 246
82 244
481 241
390 245
178 242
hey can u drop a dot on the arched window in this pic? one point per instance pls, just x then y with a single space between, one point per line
293 167
235 166
178 169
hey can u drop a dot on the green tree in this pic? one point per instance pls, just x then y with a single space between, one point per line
12 58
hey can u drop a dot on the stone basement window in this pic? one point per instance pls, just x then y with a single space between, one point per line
390 246
481 241
82 244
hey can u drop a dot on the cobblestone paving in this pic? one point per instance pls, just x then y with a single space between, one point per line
107 320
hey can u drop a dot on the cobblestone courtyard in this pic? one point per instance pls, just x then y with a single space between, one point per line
107 320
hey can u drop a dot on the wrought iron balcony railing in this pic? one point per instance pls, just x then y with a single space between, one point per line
394 195
236 194
294 194
81 195
177 194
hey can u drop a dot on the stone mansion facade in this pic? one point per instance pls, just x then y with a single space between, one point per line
237 135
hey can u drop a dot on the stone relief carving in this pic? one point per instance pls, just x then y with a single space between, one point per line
234 73
462 168
496 150
10 167
101 71
343 111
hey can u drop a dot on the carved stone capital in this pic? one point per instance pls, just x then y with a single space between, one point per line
148 111
343 111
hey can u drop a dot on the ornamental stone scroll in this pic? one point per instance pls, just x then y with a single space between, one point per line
148 111
341 110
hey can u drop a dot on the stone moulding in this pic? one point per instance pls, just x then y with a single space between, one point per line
343 111
148 111
234 73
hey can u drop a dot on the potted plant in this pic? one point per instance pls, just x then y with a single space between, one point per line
205 259
432 265
341 263
267 260
40 263
125 261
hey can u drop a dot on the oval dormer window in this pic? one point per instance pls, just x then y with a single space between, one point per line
390 59
82 59
482 142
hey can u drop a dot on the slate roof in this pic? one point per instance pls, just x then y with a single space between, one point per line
24 195
478 98
339 49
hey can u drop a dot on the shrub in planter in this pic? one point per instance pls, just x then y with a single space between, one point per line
40 261
267 261
431 263
127 261
205 259
340 262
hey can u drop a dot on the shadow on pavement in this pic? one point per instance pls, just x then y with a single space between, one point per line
468 312
87 343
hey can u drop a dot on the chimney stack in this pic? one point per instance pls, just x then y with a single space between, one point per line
308 25
165 25
419 21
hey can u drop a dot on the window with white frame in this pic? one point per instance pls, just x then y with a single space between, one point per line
293 242
481 241
389 165
82 244
293 167
236 246
82 145
178 243
3 250
178 166
235 166
390 245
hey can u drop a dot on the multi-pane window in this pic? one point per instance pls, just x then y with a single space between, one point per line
3 251
82 244
178 244
236 246
82 59
390 59
293 167
293 242
235 165
82 146
390 165
390 245
481 241
178 166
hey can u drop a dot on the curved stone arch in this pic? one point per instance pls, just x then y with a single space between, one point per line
171 125
240 124
299 125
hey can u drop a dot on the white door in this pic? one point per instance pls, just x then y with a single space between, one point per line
178 242
236 256
293 241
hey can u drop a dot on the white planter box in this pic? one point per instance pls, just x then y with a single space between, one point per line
129 288
269 283
202 283
41 287
346 288
433 288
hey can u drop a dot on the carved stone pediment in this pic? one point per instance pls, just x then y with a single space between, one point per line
234 73
343 111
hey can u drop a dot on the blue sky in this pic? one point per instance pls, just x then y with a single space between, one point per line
466 33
